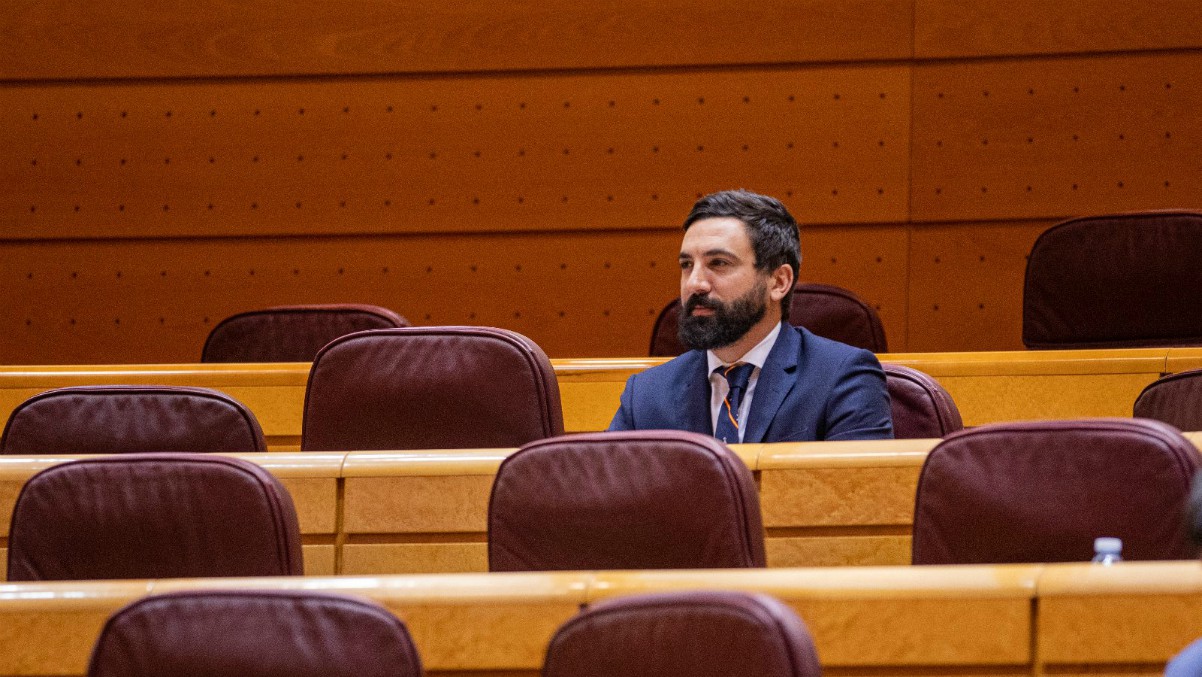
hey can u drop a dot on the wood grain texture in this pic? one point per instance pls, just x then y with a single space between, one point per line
1040 139
172 38
837 551
448 154
968 28
377 559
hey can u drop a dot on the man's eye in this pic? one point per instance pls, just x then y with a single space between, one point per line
685 265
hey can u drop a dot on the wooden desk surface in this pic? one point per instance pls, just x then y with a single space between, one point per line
1008 619
987 386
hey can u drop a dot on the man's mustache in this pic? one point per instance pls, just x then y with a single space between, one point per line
700 301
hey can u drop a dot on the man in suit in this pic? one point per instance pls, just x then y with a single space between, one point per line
750 376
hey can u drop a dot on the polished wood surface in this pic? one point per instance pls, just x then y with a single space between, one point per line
1009 619
987 386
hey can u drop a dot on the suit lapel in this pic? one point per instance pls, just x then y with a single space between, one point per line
695 400
776 380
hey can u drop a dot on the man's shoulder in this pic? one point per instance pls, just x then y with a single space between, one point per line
817 345
671 369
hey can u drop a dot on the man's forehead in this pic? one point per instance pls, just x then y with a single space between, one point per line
709 237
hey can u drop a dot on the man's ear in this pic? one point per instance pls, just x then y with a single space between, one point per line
781 282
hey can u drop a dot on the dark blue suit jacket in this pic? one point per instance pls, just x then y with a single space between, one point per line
810 388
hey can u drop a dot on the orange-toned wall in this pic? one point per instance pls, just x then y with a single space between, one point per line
164 164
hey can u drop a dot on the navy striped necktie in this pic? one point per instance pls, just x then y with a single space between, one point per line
737 375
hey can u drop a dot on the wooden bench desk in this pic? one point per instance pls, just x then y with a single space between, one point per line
960 620
823 504
987 387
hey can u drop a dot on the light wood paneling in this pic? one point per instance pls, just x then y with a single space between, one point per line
982 309
967 28
966 620
63 39
1124 619
881 617
1052 138
986 386
452 154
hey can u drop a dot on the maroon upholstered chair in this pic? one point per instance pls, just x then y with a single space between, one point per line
1115 281
153 516
826 310
624 500
253 633
291 333
1175 399
683 634
921 407
131 419
1042 491
430 388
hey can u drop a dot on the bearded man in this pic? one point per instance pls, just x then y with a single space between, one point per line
750 376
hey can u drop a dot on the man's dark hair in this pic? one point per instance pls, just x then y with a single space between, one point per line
770 227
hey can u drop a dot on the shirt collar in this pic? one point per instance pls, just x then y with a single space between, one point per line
757 355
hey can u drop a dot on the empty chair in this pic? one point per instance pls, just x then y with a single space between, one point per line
624 500
921 407
684 634
828 311
1115 281
253 633
1043 491
430 388
153 516
130 419
291 333
1175 399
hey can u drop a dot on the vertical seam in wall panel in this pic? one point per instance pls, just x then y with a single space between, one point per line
911 67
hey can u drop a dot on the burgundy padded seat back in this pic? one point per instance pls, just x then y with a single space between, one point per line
131 419
430 388
1117 281
684 634
153 516
1175 399
1042 491
291 333
921 407
828 311
653 499
253 633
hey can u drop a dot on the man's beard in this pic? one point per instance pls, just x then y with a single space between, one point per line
729 322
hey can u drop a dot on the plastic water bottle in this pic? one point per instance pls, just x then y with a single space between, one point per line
1107 550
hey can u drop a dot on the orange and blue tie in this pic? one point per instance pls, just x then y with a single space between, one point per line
737 375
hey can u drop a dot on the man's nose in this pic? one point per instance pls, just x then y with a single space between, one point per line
696 281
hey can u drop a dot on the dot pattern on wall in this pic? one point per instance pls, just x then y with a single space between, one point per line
982 309
155 301
451 154
1056 138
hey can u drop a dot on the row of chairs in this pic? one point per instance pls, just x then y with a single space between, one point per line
258 633
1124 280
423 388
411 388
1005 493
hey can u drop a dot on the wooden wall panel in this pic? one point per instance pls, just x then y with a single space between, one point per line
176 38
982 309
155 301
1051 138
447 154
868 260
961 28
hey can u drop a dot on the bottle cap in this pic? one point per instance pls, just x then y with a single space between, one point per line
1108 545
